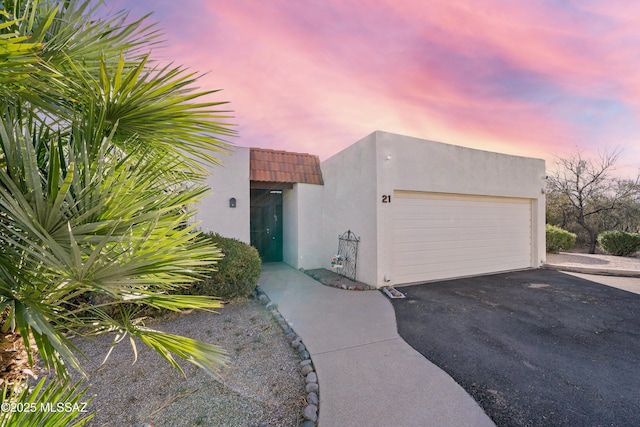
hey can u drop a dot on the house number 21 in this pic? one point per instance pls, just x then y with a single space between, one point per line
386 198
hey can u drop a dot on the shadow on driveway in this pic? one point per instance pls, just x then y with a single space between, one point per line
534 348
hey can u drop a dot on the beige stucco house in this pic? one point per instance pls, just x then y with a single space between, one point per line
422 210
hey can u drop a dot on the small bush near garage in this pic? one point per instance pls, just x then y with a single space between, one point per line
620 243
236 274
559 239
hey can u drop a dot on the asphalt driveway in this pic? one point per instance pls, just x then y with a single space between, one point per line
534 348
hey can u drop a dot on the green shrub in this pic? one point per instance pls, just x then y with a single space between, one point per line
559 239
237 272
619 243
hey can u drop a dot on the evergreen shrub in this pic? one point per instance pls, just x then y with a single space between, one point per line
236 274
559 239
619 243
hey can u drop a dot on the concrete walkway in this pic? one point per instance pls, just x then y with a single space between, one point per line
368 375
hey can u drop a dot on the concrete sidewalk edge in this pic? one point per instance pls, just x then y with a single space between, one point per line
590 270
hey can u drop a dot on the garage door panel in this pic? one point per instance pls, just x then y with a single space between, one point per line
453 266
432 217
451 213
438 236
447 249
457 271
454 223
445 201
443 254
441 204
448 209
447 241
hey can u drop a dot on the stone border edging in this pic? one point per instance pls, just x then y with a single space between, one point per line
310 412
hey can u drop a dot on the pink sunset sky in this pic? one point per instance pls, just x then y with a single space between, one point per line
532 78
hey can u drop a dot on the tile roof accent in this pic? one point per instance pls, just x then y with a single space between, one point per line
283 166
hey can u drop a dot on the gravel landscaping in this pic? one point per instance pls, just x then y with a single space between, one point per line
264 384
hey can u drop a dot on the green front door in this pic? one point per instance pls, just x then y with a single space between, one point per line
266 223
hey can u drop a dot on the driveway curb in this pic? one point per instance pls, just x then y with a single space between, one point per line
588 270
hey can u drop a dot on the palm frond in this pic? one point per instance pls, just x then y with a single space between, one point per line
158 108
51 404
207 356
20 43
99 177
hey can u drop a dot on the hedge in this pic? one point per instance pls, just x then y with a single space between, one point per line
559 239
619 243
236 274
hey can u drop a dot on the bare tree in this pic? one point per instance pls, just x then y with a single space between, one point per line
588 193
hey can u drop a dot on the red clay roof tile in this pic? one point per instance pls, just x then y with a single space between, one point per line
283 166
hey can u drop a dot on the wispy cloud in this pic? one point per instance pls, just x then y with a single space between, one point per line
529 78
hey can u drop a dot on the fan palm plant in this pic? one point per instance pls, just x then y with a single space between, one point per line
50 404
100 170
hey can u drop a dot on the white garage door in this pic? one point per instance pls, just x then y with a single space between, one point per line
439 236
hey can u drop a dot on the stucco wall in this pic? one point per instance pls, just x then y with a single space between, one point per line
290 227
356 179
231 179
422 165
349 203
406 163
302 219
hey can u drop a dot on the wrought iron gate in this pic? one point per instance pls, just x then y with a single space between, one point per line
346 262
